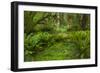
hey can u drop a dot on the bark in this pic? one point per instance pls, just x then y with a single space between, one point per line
84 19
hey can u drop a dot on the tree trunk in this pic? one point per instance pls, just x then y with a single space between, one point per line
84 19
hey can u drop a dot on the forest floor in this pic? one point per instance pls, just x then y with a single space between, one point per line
62 46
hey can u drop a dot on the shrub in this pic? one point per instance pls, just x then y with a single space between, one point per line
82 40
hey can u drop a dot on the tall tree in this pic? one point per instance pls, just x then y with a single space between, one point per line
84 21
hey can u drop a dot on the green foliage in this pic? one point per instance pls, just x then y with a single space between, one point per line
46 46
56 36
82 40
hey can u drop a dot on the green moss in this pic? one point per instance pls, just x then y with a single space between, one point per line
43 46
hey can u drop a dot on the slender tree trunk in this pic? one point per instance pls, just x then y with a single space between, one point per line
84 19
58 20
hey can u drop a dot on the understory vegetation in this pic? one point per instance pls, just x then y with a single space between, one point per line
56 36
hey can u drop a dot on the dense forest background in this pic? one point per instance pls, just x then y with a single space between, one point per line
56 36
